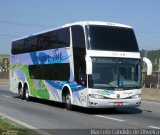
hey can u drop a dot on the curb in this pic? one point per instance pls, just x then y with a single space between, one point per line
24 124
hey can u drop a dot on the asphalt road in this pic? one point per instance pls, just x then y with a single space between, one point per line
53 116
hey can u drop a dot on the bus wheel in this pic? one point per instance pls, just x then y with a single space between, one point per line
68 104
20 91
26 93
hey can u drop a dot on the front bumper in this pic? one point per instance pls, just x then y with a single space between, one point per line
113 103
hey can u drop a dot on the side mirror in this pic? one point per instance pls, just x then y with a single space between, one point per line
149 65
88 65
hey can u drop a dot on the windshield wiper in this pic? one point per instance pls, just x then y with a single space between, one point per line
110 85
131 86
104 85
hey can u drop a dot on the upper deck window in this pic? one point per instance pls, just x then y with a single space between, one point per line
111 38
50 40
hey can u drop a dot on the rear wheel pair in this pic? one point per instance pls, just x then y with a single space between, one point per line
24 93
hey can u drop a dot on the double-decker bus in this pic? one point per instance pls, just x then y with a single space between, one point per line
88 64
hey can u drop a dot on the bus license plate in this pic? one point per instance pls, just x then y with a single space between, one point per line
118 103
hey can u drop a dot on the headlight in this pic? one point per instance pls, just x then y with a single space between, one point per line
96 96
136 96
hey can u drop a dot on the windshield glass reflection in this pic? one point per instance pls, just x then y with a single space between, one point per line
115 73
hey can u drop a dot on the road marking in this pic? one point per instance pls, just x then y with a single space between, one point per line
154 127
11 97
6 96
111 118
24 124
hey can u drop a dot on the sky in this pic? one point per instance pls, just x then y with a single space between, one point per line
19 18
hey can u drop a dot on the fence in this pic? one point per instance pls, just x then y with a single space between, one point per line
4 78
4 75
152 81
4 67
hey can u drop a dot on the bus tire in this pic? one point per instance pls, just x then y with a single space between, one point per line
20 90
26 93
68 104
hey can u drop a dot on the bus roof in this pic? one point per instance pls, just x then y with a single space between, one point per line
82 23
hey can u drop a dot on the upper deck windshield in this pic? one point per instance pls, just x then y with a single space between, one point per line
115 73
111 38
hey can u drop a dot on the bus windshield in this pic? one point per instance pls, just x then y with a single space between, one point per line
109 38
115 73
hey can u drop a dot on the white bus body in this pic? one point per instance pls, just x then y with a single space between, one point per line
88 64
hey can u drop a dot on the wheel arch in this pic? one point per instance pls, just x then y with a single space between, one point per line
65 89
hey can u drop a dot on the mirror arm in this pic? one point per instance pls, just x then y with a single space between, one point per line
149 65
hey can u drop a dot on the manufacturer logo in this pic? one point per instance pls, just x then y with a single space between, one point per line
118 95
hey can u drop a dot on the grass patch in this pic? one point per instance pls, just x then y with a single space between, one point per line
10 128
